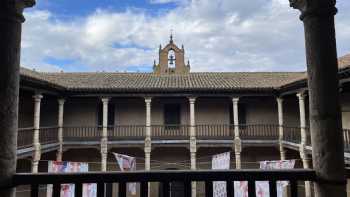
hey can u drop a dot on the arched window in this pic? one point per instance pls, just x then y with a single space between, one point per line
171 59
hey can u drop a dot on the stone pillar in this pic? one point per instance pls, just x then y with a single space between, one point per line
325 119
301 98
193 141
104 139
303 142
60 129
237 140
11 19
36 139
148 142
280 127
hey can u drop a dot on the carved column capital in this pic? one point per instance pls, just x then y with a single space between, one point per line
235 99
13 9
61 101
105 100
148 100
37 97
279 100
301 95
192 100
314 7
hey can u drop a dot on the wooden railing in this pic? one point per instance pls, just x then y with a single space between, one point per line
25 137
215 131
48 135
78 133
126 132
292 134
166 178
258 132
168 132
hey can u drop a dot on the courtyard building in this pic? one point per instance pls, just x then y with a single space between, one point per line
169 119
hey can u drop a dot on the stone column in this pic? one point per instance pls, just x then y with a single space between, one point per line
302 147
60 129
237 140
301 98
11 19
36 139
325 119
148 142
193 141
104 139
280 127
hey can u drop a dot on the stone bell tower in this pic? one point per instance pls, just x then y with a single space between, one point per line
171 60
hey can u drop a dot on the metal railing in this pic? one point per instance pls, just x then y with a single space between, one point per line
168 132
25 137
258 132
166 178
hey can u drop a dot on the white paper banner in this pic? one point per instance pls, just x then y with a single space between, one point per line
127 163
67 190
220 161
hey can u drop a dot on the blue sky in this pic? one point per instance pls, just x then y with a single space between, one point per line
124 35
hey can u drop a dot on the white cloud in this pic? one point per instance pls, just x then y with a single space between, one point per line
220 35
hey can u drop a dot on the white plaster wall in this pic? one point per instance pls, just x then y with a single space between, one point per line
81 111
262 110
213 111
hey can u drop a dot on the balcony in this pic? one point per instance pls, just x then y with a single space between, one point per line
257 134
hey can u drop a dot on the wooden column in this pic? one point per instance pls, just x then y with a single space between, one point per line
60 129
237 140
36 138
325 119
104 139
11 19
280 127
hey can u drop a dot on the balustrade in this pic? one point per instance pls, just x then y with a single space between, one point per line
259 132
215 131
167 132
48 135
25 137
126 132
78 133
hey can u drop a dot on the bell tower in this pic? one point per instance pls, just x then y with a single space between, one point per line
171 60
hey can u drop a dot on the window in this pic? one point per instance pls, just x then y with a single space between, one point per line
172 114
111 108
171 59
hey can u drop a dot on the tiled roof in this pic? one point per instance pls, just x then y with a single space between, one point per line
344 61
151 82
143 82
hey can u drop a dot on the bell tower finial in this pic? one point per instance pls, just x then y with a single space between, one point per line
171 36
